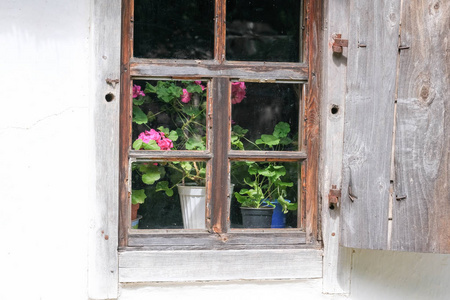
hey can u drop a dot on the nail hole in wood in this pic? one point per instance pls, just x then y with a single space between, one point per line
334 109
109 97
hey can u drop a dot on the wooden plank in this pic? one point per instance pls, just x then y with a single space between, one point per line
336 260
369 115
125 123
218 183
205 240
267 155
209 265
183 155
208 69
103 209
421 221
314 12
220 30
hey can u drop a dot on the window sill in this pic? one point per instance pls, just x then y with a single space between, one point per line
218 265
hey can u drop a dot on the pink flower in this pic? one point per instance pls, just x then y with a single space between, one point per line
165 144
137 91
200 84
146 136
186 97
237 92
159 137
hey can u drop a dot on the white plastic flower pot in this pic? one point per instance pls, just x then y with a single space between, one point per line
193 206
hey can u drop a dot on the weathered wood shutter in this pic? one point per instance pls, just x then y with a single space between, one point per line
396 162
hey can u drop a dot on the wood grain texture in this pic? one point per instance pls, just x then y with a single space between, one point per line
369 115
205 240
103 210
218 182
314 12
208 265
421 221
244 70
336 260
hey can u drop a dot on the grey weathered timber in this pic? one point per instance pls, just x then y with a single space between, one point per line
223 241
369 115
207 265
186 68
103 218
336 260
421 215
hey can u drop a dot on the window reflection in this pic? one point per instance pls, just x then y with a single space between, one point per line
265 30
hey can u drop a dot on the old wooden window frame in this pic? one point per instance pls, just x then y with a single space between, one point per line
221 72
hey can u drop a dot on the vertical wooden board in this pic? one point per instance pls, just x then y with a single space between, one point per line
314 11
336 260
369 115
421 221
103 208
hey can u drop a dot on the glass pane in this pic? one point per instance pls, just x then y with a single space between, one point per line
264 30
174 29
169 115
170 195
265 116
265 194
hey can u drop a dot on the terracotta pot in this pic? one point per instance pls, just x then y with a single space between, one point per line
134 210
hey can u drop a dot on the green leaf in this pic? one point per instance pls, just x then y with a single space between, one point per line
151 145
139 117
138 196
191 110
164 129
187 166
281 130
238 130
164 186
285 141
194 88
195 143
270 140
151 175
149 88
173 135
138 101
137 144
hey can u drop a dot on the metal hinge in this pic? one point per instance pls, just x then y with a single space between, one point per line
333 197
338 43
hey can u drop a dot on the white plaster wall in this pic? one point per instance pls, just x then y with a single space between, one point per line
44 136
400 275
46 164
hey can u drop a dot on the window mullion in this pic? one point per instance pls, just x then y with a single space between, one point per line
218 183
220 30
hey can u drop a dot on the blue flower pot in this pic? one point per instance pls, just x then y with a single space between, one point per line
278 217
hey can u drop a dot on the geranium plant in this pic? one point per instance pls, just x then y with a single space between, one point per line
265 182
172 116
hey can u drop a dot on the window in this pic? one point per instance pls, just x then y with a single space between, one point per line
221 94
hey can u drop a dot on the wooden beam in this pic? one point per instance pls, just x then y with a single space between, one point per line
314 24
204 265
218 183
267 155
125 123
207 69
103 265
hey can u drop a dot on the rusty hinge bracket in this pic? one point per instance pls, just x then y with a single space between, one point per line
333 197
339 43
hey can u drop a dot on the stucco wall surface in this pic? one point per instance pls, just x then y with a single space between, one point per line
46 166
400 275
44 136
